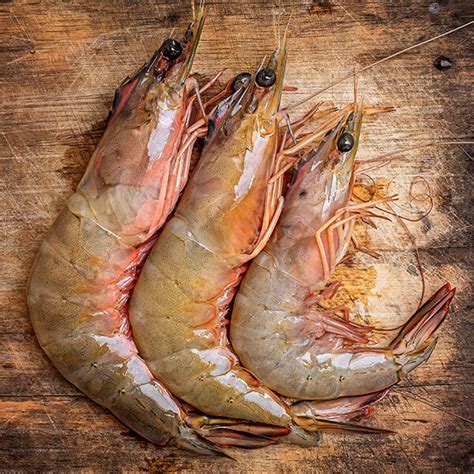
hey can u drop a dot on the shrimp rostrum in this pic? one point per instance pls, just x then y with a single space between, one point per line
281 334
225 216
86 267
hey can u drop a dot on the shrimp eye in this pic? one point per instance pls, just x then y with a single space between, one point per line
240 81
172 49
265 77
345 142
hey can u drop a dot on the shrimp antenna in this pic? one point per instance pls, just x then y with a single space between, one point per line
262 62
355 87
422 400
416 250
201 6
275 31
386 158
287 26
278 22
376 63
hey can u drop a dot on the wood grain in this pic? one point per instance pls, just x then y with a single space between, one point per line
61 61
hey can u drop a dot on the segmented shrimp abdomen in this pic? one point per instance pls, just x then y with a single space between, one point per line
74 296
265 322
72 284
275 337
178 317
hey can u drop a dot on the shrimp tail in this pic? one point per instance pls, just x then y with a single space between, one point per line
344 409
417 339
235 433
198 445
318 424
234 439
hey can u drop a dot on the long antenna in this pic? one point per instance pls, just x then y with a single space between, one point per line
290 107
422 400
386 158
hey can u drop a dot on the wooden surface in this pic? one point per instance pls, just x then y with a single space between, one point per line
60 63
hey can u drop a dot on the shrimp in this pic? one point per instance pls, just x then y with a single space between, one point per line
296 349
82 277
225 216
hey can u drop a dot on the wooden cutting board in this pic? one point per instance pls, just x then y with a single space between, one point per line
60 63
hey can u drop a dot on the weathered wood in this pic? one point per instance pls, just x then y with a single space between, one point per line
60 64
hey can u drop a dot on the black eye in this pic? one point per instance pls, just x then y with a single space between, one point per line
240 81
265 77
345 142
171 49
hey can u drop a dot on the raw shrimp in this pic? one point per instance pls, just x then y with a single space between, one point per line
293 347
224 218
81 280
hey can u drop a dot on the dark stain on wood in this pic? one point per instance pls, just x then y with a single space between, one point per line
61 62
